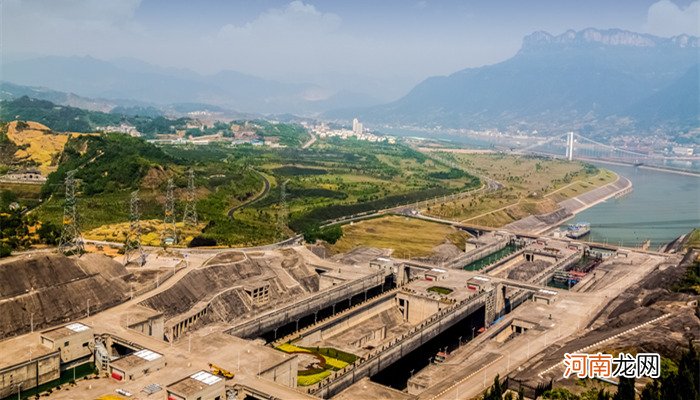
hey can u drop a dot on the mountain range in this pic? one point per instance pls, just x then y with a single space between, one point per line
611 80
606 81
122 80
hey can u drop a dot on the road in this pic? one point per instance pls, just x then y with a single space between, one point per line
310 142
265 190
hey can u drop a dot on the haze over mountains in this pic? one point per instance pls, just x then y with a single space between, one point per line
591 80
130 79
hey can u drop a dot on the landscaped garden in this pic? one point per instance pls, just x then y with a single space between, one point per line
440 290
317 363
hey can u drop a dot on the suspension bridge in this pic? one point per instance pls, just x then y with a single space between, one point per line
575 146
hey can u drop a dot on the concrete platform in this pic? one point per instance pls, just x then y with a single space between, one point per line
367 390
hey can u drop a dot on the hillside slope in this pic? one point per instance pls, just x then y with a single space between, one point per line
55 289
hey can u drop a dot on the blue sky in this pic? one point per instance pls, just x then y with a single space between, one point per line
383 47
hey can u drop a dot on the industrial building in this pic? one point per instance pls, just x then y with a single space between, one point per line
201 385
216 330
136 365
75 342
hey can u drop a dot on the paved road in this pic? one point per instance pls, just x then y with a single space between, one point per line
310 142
260 195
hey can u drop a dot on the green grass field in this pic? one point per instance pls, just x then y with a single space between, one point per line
406 236
533 185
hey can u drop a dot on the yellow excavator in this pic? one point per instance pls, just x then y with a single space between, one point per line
216 370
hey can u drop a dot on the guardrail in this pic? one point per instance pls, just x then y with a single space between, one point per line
307 305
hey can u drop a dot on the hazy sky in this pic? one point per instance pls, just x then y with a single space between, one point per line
383 46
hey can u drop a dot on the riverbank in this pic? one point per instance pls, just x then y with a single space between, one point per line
538 224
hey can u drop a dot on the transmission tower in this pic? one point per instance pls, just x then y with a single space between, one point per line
169 234
283 211
190 217
71 241
132 244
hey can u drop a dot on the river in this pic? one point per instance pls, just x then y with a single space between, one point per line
661 207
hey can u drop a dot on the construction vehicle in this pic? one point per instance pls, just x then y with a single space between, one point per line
216 370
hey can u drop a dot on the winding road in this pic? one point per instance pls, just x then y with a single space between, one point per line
265 190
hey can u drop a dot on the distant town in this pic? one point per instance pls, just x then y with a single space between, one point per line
358 132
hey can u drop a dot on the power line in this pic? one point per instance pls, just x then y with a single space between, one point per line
132 243
169 233
71 242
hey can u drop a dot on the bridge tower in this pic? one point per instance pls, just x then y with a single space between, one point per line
570 146
169 233
133 252
71 242
190 216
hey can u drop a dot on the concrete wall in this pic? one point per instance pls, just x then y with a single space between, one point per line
154 327
343 324
284 374
479 253
416 308
273 319
216 391
46 367
178 328
397 348
326 281
72 347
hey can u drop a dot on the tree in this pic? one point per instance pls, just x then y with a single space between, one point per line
49 233
495 392
330 234
5 250
652 391
688 381
625 389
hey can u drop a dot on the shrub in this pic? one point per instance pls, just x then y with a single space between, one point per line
200 240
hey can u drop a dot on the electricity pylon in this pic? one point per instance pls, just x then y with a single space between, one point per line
190 216
169 234
71 242
132 244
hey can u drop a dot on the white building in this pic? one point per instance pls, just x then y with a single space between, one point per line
357 127
683 151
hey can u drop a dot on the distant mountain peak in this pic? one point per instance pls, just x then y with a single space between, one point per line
609 37
605 81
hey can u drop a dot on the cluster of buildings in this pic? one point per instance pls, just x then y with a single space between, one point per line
121 128
25 176
358 131
69 347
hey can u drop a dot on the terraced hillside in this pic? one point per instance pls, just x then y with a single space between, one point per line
227 285
50 289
